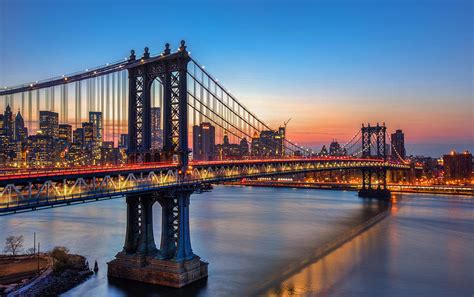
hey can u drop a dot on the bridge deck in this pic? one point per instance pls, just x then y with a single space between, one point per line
30 189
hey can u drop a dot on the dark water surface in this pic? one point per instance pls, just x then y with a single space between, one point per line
256 240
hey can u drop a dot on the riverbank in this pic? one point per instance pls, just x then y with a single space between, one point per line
49 281
441 190
21 270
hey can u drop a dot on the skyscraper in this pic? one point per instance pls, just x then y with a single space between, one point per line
269 145
7 126
123 142
244 147
49 124
255 145
204 141
89 132
65 133
19 129
335 148
280 139
398 145
156 132
95 118
78 136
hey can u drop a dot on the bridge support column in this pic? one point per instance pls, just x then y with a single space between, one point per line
174 264
380 191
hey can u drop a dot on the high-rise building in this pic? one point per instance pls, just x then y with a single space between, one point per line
244 147
280 141
156 132
204 141
49 124
2 117
95 118
227 150
324 151
255 145
41 150
89 132
457 167
123 141
78 136
269 145
335 148
398 145
20 131
7 127
65 133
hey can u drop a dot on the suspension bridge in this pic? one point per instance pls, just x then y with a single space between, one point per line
122 129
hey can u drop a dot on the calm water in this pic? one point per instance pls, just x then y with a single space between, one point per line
256 240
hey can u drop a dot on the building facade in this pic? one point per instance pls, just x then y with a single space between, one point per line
204 142
457 167
398 145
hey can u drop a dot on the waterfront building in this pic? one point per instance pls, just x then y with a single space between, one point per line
227 150
324 151
41 150
48 124
65 134
203 141
123 141
335 149
244 147
78 136
255 145
398 145
7 122
109 154
280 142
457 167
269 146
20 132
95 118
88 129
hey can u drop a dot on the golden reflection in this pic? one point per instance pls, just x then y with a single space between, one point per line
319 278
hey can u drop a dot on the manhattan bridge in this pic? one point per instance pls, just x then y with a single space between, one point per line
125 101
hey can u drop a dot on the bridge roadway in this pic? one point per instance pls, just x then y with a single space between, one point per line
28 189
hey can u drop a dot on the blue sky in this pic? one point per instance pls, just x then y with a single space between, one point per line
329 65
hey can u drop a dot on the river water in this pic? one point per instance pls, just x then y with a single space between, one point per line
261 241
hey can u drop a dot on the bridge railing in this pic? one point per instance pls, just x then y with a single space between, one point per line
16 197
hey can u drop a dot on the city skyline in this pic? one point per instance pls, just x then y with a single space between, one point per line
405 82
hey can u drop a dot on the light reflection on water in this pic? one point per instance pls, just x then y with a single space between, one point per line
424 248
252 236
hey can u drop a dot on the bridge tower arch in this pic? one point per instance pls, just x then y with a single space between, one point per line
171 70
374 136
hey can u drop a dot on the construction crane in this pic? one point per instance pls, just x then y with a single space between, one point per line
285 123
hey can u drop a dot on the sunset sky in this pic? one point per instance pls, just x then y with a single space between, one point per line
327 65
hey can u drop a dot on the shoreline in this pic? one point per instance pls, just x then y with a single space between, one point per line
53 283
346 187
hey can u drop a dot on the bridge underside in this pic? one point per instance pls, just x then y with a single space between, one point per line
174 264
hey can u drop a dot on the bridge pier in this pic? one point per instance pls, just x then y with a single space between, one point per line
174 264
379 191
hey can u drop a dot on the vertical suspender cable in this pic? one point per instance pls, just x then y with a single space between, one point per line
113 106
52 99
